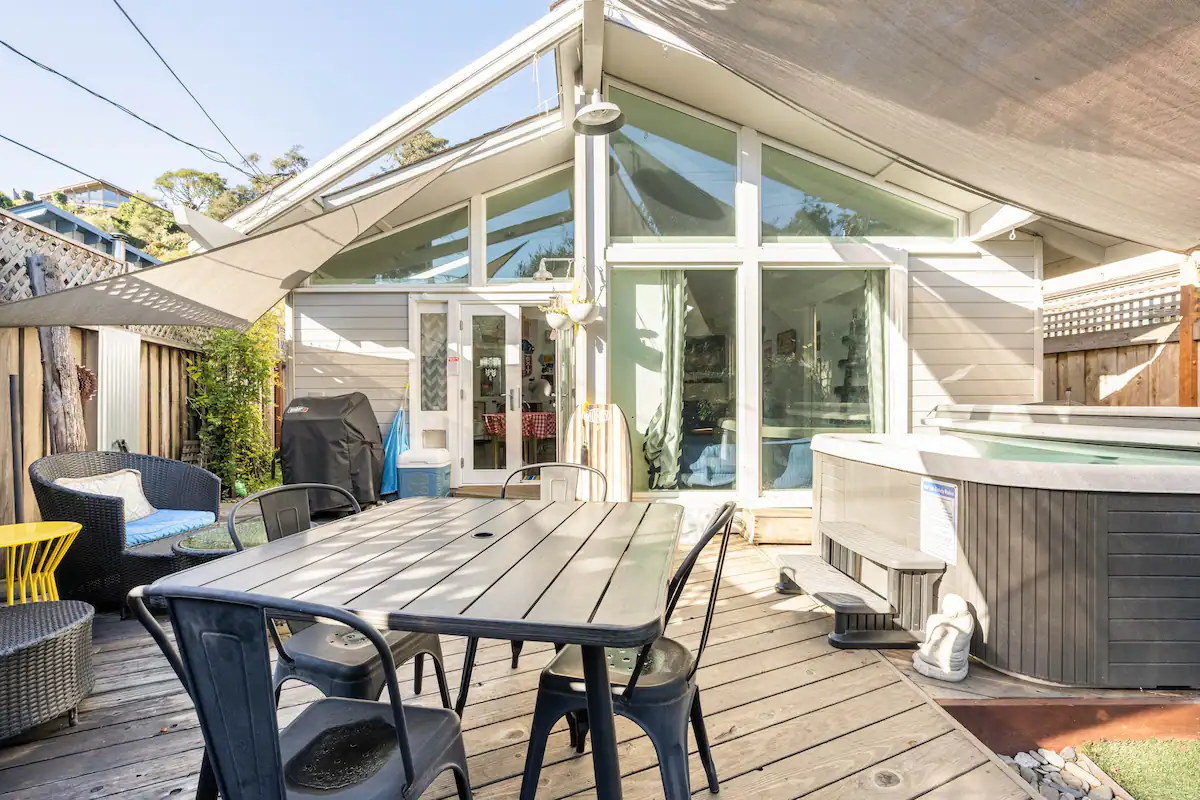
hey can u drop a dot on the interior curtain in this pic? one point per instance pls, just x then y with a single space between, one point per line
664 435
876 313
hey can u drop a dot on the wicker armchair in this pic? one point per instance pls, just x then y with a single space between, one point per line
99 568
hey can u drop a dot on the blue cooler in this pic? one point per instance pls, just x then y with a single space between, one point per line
423 473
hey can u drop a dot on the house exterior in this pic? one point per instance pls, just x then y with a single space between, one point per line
67 225
99 194
760 277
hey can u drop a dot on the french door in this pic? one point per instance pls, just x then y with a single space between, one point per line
490 437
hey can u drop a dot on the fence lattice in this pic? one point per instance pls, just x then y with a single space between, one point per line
1144 301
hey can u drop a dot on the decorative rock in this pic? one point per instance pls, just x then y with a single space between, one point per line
1080 774
1028 775
1026 760
1048 792
1072 781
1100 793
1008 760
947 642
1041 759
1068 753
1052 758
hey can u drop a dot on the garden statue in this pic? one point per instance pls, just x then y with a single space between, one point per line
947 641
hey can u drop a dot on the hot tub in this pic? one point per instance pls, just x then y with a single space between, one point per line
1073 533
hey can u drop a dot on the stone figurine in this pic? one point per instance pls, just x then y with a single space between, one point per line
947 641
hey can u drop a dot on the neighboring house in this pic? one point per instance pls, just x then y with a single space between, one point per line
66 224
91 193
762 276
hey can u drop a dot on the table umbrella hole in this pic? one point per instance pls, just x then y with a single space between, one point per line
482 535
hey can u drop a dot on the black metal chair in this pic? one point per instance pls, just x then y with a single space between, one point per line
557 483
335 659
654 686
337 748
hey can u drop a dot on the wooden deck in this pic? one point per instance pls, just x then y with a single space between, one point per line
789 717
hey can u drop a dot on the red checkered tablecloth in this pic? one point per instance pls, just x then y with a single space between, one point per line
534 424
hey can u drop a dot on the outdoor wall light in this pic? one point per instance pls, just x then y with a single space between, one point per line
598 117
544 274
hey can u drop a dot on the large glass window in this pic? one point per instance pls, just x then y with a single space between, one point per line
673 350
434 251
802 201
671 175
822 364
528 223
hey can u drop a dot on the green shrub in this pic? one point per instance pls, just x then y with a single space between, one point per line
234 374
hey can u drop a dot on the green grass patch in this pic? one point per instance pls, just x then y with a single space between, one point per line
1156 769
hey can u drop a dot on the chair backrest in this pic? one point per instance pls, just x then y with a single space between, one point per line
560 480
285 509
597 435
224 660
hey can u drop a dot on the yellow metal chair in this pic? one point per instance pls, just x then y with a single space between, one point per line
32 552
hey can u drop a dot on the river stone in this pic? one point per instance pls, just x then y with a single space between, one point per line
1008 760
1068 753
1080 774
1025 760
1048 792
1028 775
1100 793
1041 759
1052 758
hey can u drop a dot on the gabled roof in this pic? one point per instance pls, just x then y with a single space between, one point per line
39 211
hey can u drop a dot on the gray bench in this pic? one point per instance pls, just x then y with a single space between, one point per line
863 618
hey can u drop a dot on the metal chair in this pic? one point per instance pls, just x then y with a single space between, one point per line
559 481
336 660
337 748
654 686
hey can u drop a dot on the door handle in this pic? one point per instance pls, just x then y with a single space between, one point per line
512 400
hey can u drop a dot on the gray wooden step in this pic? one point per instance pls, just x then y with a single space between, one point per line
879 549
835 589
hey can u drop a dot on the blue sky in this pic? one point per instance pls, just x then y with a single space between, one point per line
273 73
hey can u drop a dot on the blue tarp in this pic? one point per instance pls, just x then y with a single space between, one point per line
395 443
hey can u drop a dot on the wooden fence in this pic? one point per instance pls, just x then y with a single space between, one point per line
1117 343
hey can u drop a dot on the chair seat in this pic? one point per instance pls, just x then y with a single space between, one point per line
664 674
346 653
335 732
163 523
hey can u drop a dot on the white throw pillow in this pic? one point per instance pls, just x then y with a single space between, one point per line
124 483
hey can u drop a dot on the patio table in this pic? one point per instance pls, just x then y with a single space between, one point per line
592 574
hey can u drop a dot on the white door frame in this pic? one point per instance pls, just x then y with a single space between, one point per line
510 399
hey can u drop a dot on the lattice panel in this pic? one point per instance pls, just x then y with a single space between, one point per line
77 264
1146 301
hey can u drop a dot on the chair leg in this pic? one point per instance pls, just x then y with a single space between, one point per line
463 784
439 672
72 716
418 672
464 684
546 712
206 786
672 761
702 744
516 652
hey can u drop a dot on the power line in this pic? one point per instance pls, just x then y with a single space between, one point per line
179 80
207 152
77 170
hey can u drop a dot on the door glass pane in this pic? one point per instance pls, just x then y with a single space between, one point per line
539 422
489 391
671 175
528 223
674 346
822 364
803 201
434 251
433 361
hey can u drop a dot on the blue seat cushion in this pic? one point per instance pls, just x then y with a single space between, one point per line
165 522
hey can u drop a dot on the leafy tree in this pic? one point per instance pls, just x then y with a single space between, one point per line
421 144
191 187
59 199
27 196
225 204
5 201
233 374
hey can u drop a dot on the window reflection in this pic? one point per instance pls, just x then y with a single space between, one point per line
671 175
528 223
434 251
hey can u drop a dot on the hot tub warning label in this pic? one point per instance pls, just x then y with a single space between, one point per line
939 520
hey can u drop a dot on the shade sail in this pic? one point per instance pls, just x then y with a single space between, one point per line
1084 111
229 286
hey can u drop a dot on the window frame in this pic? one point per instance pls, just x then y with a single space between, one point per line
482 200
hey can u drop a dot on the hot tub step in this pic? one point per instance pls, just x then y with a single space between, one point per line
823 581
874 640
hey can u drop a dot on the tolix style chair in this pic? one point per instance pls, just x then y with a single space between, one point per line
337 748
655 686
337 660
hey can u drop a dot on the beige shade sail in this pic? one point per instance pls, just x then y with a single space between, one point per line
1085 111
228 286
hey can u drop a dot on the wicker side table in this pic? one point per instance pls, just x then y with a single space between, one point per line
45 662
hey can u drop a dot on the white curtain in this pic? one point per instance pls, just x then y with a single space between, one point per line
876 311
664 435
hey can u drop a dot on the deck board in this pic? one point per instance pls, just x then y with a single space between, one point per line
788 715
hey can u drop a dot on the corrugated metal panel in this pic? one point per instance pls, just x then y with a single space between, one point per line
118 407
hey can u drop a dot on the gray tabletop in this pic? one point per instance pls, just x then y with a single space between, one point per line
583 573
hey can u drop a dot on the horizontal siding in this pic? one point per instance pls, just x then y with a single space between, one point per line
972 327
353 343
